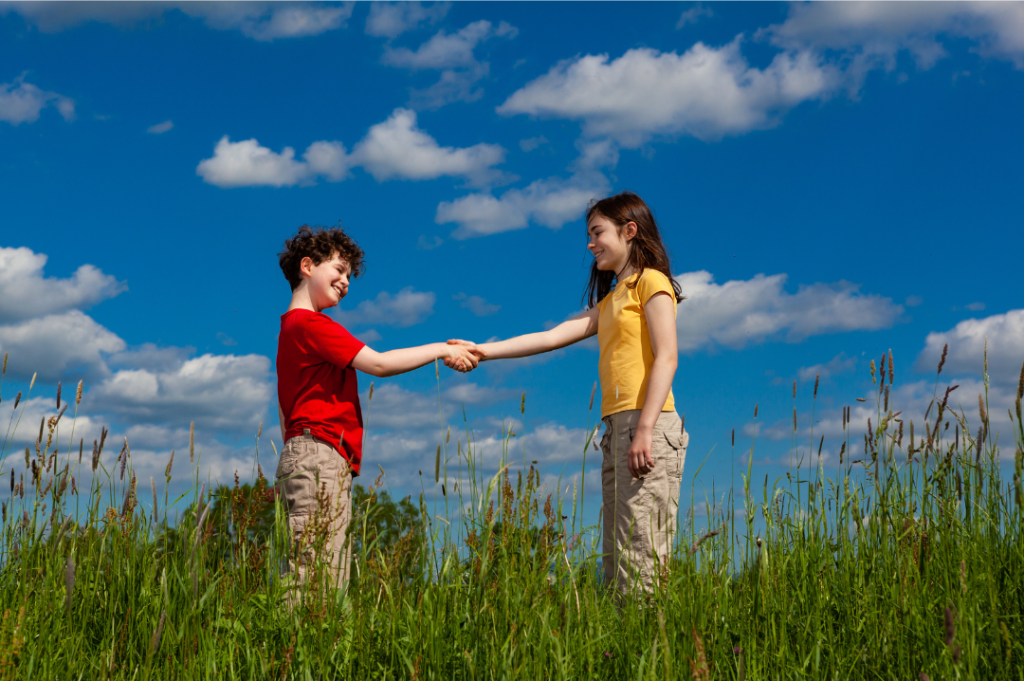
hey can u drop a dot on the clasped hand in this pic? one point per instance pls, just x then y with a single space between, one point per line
463 356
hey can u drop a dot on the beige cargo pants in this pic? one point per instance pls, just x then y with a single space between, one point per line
315 485
639 514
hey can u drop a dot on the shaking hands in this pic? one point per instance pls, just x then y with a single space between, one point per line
463 356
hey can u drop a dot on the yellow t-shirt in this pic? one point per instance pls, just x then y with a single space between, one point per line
625 341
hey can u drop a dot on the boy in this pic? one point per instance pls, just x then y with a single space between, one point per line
318 399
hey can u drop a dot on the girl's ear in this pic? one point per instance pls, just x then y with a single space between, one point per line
629 230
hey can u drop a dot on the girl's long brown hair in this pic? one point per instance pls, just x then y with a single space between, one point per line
646 251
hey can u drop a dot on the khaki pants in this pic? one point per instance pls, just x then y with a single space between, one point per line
639 514
315 483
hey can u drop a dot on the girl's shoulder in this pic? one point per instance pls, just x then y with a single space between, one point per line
653 280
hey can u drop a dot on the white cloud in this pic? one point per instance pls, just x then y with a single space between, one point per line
693 15
218 392
22 102
706 92
871 34
246 163
391 19
394 149
476 305
258 20
59 344
912 399
406 308
1005 335
837 365
740 312
394 407
454 85
531 143
25 292
551 202
160 128
447 50
397 148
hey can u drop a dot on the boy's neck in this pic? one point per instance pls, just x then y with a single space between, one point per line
301 300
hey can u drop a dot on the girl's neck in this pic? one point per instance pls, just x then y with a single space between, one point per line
625 273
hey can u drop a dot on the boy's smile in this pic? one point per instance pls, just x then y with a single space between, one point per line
328 282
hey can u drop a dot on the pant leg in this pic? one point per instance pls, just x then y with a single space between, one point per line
639 513
315 483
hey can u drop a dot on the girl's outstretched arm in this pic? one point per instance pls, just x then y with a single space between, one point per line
574 330
661 323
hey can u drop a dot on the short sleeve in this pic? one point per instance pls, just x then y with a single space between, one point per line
651 282
333 342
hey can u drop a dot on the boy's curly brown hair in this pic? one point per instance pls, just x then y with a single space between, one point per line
320 245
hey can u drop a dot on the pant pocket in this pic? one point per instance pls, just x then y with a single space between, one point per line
676 453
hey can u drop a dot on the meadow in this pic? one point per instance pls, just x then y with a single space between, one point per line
904 562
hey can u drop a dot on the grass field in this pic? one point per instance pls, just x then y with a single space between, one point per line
905 564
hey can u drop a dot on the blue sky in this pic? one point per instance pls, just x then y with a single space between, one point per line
832 180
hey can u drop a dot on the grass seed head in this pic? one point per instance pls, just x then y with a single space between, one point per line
17 398
58 394
370 397
817 377
170 462
5 365
593 391
192 442
890 367
32 383
873 380
981 408
942 360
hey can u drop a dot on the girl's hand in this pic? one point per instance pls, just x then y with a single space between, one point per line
471 346
460 358
638 458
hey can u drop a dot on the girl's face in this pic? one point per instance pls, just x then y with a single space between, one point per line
608 243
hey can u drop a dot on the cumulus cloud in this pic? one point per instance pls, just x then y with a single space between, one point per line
476 305
693 15
551 202
447 50
258 20
58 345
224 393
397 148
160 128
406 308
736 313
247 164
25 292
912 399
966 340
705 92
837 365
454 85
871 34
22 102
391 19
394 407
393 149
453 53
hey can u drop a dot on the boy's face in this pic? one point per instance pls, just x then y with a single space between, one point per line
327 282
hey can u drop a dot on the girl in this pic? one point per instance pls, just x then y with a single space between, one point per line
644 444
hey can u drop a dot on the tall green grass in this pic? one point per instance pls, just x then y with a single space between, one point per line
905 564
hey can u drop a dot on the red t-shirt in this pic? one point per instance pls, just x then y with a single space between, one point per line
316 384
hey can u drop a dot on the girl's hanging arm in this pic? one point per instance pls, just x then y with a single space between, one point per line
661 324
568 332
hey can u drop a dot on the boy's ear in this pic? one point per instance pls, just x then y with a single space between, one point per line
306 266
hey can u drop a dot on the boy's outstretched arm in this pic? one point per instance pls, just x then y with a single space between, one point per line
574 330
400 361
